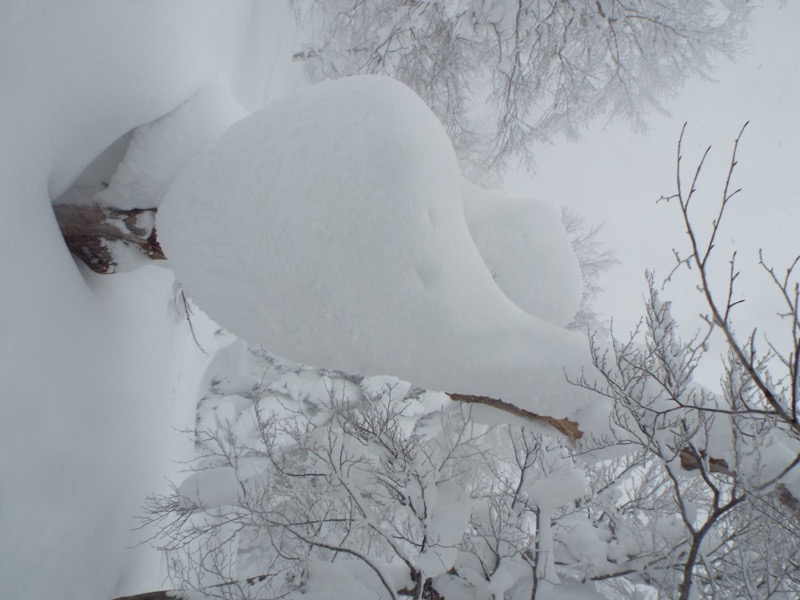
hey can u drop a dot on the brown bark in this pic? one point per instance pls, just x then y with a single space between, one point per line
567 428
90 230
163 595
715 465
87 229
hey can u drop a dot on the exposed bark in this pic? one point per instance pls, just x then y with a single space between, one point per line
91 232
88 229
715 465
566 427
163 595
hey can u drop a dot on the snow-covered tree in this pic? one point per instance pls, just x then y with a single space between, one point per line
401 491
501 74
594 260
721 466
349 239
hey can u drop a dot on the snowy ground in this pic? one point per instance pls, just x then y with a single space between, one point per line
97 371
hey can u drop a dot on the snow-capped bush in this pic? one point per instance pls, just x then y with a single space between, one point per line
330 226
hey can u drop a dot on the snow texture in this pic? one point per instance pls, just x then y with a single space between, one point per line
159 150
97 373
527 252
448 520
330 227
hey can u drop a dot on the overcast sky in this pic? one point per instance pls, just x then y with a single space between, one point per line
614 176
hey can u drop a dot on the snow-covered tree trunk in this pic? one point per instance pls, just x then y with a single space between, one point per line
98 235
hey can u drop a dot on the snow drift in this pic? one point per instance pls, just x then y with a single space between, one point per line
330 227
526 249
145 174
97 372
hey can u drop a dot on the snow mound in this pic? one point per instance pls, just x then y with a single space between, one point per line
527 251
159 150
330 227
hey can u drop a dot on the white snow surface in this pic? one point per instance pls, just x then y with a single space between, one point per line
159 150
330 227
527 251
97 372
448 519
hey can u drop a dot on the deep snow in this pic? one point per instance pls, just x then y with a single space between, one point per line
144 176
96 372
526 250
330 227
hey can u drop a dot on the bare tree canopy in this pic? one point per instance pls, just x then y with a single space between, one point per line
501 74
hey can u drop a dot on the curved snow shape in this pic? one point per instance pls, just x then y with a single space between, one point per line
330 227
526 249
159 150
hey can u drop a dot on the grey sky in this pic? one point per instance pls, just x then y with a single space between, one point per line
615 176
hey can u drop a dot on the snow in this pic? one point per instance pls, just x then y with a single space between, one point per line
775 450
341 242
558 485
88 428
342 580
96 372
448 519
209 488
527 252
159 150
568 591
582 543
333 225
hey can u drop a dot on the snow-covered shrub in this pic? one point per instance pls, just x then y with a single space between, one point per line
398 488
714 500
503 75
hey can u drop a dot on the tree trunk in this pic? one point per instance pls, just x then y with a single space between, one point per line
98 235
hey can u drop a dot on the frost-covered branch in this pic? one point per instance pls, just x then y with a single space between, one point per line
594 262
782 402
501 75
721 459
